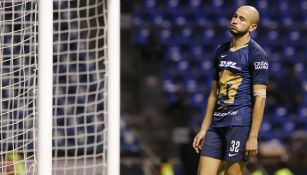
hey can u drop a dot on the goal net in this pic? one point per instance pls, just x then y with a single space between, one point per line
18 67
79 87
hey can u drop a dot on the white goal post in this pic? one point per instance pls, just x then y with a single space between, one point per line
45 73
114 87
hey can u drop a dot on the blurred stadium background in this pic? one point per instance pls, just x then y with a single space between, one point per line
167 51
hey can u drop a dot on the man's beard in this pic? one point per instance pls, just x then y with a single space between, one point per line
237 33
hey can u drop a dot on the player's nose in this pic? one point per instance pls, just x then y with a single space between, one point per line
234 21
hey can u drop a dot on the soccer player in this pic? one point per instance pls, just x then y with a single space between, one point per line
236 102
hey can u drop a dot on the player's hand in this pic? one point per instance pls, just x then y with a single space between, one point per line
198 140
251 148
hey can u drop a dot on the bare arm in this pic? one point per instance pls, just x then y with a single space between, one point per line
210 107
197 142
257 115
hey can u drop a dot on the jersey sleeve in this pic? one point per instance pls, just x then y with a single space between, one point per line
215 69
215 74
259 67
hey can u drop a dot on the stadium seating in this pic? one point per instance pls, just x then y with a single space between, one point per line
128 140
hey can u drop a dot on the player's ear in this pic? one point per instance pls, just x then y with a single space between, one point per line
252 27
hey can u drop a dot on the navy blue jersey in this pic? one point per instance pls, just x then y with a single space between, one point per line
235 73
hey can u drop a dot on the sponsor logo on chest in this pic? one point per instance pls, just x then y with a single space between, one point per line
230 64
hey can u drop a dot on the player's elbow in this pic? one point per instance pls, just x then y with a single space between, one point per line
212 95
259 93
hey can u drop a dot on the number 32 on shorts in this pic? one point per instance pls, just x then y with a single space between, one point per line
234 146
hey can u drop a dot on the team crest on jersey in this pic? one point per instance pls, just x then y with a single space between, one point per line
261 65
229 64
238 118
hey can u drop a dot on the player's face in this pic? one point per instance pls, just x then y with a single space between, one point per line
240 23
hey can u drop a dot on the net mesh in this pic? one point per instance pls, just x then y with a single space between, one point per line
79 87
18 67
79 132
